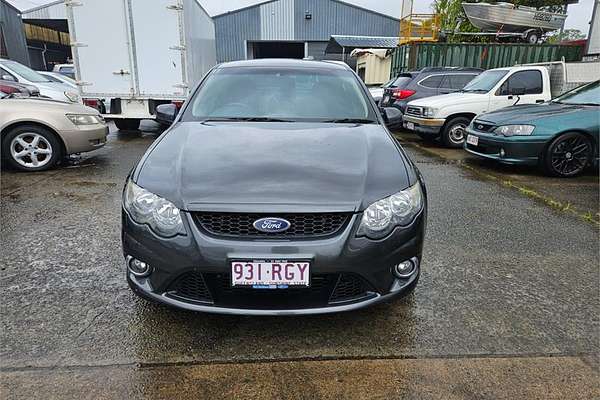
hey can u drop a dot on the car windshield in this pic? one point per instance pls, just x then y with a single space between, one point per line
485 81
587 94
280 94
23 71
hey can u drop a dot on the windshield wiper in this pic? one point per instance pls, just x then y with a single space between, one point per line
246 119
350 121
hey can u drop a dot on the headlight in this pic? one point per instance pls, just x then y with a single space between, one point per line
72 96
515 130
381 217
85 119
147 208
429 111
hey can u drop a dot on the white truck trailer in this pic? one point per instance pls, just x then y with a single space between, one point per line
132 55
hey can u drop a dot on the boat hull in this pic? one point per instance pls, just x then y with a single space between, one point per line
506 18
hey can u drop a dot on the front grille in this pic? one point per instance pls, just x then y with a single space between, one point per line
482 126
484 149
349 287
190 286
411 110
234 225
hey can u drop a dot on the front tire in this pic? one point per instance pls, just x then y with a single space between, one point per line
31 148
453 134
127 124
532 37
568 155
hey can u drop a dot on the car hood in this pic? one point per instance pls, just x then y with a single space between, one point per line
273 167
54 86
449 99
528 113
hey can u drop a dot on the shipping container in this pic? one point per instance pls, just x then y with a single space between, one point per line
415 56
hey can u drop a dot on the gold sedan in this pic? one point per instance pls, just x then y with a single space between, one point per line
37 133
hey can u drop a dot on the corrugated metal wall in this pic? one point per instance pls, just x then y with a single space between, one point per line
413 57
11 30
286 20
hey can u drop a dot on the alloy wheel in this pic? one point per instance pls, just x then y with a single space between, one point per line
457 133
31 150
570 155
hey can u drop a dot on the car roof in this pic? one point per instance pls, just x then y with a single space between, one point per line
285 63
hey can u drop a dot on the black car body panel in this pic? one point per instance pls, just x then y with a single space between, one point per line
321 176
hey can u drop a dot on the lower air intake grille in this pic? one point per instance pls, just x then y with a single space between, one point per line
235 225
191 286
348 287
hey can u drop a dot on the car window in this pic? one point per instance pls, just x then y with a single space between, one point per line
485 81
23 71
456 81
432 82
301 94
400 81
5 72
66 70
530 81
586 94
52 78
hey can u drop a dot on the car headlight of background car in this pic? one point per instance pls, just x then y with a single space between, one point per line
399 209
147 208
429 111
85 119
515 130
72 96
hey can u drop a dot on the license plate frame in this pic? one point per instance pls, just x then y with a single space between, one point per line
260 274
473 140
386 99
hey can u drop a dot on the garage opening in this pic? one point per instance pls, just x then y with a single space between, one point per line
275 50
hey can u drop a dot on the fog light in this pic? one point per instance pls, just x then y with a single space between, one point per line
405 269
137 267
502 153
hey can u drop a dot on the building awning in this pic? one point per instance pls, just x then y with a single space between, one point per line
345 44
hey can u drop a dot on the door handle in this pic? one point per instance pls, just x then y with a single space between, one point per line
539 101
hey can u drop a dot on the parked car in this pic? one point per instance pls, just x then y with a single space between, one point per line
560 135
16 72
293 198
60 78
425 83
65 70
377 91
36 133
447 116
11 87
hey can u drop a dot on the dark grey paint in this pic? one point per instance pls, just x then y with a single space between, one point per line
221 166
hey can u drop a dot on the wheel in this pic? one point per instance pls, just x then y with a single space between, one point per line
532 37
453 134
568 155
31 148
127 124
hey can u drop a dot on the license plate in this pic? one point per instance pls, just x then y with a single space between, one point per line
472 140
386 99
270 274
410 125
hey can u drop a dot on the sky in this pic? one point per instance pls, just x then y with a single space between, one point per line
579 14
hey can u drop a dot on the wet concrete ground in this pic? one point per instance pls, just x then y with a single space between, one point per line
507 305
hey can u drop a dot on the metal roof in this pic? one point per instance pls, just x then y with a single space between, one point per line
338 42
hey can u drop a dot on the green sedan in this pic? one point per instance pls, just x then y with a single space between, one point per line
560 135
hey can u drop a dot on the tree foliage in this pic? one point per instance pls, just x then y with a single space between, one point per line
565 36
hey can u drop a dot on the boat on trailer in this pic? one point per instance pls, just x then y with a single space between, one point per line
507 18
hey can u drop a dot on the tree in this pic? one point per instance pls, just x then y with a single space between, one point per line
565 36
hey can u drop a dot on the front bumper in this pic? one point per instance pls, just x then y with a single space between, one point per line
515 150
85 138
428 126
343 255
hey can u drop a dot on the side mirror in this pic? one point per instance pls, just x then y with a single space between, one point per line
390 113
166 113
7 77
517 91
